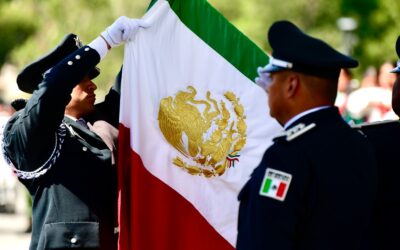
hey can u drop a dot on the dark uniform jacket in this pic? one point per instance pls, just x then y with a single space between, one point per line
329 174
66 167
385 137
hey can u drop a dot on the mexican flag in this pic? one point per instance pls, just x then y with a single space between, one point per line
193 126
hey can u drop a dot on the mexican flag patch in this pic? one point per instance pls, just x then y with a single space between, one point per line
275 184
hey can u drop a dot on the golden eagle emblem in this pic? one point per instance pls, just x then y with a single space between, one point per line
209 133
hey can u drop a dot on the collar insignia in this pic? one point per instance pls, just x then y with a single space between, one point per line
295 131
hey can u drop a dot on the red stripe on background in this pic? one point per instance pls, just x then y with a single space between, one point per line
281 189
152 215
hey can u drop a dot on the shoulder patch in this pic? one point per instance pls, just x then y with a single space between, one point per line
295 131
275 184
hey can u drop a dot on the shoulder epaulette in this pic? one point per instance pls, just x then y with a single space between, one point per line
295 131
371 124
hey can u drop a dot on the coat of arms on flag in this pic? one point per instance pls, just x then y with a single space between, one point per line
275 184
206 131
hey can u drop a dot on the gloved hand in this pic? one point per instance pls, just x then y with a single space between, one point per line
122 30
263 79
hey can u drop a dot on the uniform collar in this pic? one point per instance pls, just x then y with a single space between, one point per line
298 116
72 118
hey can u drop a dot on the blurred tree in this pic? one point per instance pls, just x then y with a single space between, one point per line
375 29
15 26
50 20
378 25
87 19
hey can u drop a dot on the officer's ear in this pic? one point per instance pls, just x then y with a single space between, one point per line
293 85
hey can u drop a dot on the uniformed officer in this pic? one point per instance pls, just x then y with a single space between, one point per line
66 166
315 186
385 136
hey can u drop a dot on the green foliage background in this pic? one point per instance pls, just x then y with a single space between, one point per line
31 28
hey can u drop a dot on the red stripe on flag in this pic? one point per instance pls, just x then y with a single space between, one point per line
281 189
153 216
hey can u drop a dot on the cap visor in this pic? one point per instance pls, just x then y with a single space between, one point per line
95 72
395 70
271 68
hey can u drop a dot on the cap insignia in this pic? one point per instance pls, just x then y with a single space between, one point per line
78 42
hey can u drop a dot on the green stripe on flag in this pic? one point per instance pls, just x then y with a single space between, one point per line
267 185
215 30
151 4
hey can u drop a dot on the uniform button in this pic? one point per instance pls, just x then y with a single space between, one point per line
74 240
70 63
86 49
84 149
77 57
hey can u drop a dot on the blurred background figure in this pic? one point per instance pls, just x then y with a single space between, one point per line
369 78
8 181
372 102
346 84
386 81
14 198
386 78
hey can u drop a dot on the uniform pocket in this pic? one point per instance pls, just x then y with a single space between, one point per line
71 235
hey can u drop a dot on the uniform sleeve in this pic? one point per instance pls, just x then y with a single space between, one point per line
32 136
268 219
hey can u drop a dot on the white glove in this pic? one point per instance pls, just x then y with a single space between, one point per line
263 79
122 30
